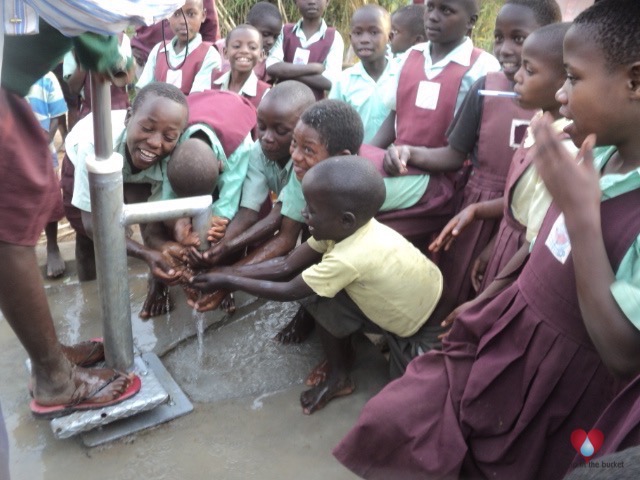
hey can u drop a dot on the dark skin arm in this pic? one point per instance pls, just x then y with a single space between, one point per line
443 159
489 209
309 74
576 190
53 127
386 134
258 279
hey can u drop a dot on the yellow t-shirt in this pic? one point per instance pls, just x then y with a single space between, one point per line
394 285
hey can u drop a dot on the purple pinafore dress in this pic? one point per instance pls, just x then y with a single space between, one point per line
502 127
517 374
427 128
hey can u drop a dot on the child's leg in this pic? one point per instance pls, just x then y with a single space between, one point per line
85 258
336 319
55 263
338 382
298 329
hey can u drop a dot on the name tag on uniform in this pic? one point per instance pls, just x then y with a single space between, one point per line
428 94
558 240
301 57
518 132
174 77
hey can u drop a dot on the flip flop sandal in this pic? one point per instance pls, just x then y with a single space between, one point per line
84 403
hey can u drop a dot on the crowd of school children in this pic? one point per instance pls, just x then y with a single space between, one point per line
472 210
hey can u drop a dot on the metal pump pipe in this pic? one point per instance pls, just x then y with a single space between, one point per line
109 218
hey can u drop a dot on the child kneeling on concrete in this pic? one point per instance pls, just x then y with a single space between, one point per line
358 274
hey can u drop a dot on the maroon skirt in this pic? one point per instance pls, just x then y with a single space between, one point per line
500 401
28 184
456 263
511 236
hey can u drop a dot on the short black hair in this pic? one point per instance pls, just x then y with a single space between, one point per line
293 93
338 124
614 25
544 11
159 89
261 10
351 183
372 7
551 38
242 26
412 17
193 168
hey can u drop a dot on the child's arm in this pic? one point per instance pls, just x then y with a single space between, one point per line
489 209
386 134
575 189
257 278
443 159
309 74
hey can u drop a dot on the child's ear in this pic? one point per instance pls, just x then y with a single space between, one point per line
127 117
224 51
348 220
472 21
634 80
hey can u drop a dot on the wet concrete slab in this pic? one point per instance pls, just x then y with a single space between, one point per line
247 422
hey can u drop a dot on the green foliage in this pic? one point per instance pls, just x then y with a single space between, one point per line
338 14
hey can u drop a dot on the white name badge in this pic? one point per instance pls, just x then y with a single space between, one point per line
301 57
174 77
558 240
428 94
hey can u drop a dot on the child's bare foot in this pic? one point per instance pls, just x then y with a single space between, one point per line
158 301
55 263
318 374
298 329
317 397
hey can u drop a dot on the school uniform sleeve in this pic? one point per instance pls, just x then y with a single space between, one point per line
333 62
292 199
484 64
337 91
231 179
465 129
276 54
329 276
202 80
626 288
255 187
146 77
404 191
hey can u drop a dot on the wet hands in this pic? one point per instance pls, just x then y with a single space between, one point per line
396 159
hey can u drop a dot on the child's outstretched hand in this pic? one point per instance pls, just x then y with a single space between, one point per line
395 160
218 229
207 282
452 229
574 185
184 234
161 267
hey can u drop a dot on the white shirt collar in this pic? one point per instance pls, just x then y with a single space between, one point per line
250 87
460 55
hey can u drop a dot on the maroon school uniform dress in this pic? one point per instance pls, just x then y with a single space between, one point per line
30 191
517 374
426 128
192 65
496 140
318 51
147 37
214 107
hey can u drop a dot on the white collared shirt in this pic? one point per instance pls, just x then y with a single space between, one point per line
461 54
333 62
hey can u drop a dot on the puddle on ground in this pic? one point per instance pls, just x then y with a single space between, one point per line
241 358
